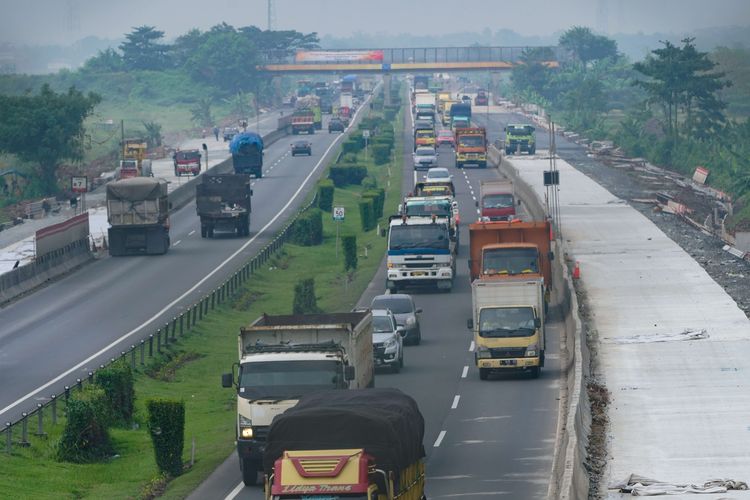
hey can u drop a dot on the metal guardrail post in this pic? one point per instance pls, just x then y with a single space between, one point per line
67 394
182 324
132 357
166 334
158 340
194 313
8 437
213 299
150 345
91 376
54 409
79 384
174 329
200 310
143 352
25 430
40 420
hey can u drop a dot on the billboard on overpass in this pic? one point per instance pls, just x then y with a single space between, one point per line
334 56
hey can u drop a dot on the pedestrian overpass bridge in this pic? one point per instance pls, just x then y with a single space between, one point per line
434 59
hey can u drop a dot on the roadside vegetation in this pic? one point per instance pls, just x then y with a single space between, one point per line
679 108
190 369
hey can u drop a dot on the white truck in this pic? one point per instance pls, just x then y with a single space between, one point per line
420 252
425 105
284 357
508 325
444 208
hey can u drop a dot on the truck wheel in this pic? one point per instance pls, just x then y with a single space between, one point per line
204 231
210 231
484 373
532 150
535 372
418 338
249 472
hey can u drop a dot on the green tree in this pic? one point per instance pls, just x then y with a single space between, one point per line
184 46
278 44
226 60
586 46
681 83
240 104
531 74
201 112
153 134
45 129
106 61
142 49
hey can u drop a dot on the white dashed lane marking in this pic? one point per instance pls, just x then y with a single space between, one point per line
439 439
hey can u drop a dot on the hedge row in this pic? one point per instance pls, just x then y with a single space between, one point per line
307 230
166 423
325 195
85 437
367 214
343 175
377 195
350 252
305 301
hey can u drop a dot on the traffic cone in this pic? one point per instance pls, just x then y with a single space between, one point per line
577 272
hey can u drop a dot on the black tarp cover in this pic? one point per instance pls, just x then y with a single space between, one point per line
385 422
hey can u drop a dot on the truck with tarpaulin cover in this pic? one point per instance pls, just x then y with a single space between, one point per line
460 115
222 202
282 358
138 214
247 154
364 444
471 147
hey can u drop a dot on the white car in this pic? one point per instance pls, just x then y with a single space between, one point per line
425 157
438 174
387 340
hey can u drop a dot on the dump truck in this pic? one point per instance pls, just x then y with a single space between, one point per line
460 115
247 154
445 208
365 444
497 201
138 214
440 188
471 147
481 99
520 138
133 162
222 202
424 104
282 358
420 252
508 325
445 116
187 161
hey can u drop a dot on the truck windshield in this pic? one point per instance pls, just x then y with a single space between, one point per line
506 322
425 133
510 261
426 209
497 201
288 379
433 236
520 130
471 141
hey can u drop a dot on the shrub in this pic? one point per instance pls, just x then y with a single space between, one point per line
85 437
369 183
367 214
377 195
349 243
351 146
305 301
343 175
307 230
117 382
166 424
325 195
381 154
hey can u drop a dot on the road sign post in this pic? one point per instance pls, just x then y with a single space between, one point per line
80 184
338 216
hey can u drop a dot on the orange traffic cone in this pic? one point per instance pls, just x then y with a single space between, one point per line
577 272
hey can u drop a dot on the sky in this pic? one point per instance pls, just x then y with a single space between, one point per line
62 22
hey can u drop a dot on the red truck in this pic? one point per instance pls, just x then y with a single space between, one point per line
303 120
496 201
187 161
481 98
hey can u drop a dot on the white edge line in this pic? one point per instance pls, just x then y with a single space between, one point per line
455 401
465 372
188 292
439 439
191 232
176 243
235 491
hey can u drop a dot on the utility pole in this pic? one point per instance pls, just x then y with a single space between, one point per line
271 15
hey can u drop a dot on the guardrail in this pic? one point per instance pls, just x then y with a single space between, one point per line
154 343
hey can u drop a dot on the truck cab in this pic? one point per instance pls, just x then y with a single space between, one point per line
520 138
471 147
496 201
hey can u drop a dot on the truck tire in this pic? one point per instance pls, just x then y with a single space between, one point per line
249 470
418 338
532 150
535 372
484 373
204 231
210 231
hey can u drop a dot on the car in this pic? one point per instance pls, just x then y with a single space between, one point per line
465 98
302 148
406 313
229 133
425 157
387 341
423 124
445 136
335 125
438 174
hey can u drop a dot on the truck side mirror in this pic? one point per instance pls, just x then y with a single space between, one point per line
537 323
418 311
349 373
470 324
551 256
226 380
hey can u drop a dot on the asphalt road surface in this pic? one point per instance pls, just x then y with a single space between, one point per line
63 331
484 439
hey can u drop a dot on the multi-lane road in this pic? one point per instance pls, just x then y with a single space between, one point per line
484 439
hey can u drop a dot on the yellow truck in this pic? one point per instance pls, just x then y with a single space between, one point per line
442 98
362 444
445 113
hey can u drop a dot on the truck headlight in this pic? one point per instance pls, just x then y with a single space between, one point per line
483 353
410 321
390 344
532 351
246 427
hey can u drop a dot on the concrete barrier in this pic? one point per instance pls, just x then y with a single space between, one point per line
569 477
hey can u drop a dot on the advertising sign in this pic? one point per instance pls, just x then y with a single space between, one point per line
334 56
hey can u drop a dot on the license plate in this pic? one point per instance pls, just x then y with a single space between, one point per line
418 273
508 362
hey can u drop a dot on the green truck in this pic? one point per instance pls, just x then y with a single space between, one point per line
520 138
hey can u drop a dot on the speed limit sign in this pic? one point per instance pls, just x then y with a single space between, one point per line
338 213
79 184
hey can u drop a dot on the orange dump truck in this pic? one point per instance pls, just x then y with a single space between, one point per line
364 444
504 249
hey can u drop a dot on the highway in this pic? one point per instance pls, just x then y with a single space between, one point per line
484 439
63 331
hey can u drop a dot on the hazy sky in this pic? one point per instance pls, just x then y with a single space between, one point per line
40 22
